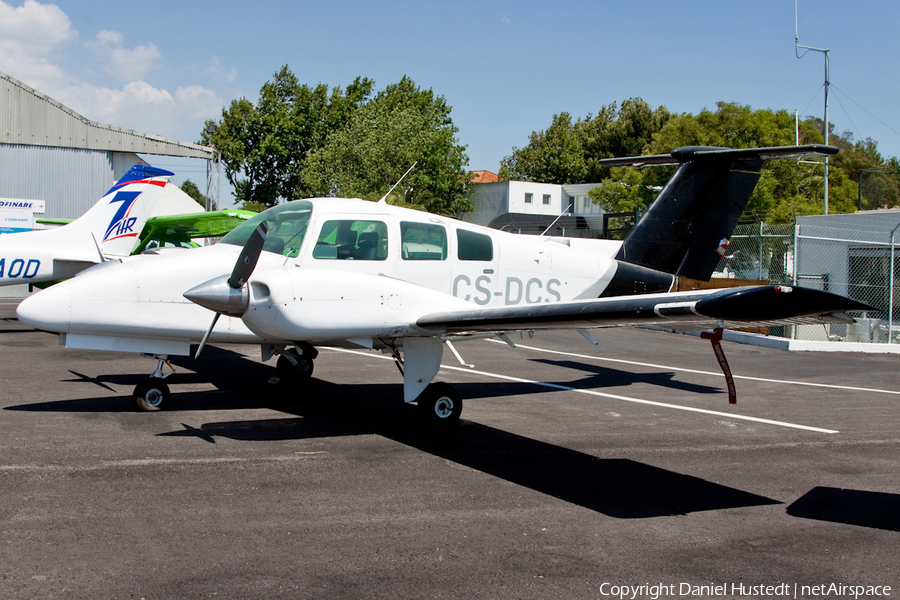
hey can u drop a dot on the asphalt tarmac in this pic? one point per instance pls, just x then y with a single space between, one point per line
577 470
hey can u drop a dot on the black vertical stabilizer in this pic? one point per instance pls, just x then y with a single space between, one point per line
699 207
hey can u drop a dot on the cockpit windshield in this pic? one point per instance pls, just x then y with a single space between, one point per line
287 227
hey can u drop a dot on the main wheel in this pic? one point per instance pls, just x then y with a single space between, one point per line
300 372
440 405
152 395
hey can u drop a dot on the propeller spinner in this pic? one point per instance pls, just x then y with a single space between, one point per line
228 295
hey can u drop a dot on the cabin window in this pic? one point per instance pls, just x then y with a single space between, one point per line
286 223
529 197
474 246
423 241
352 240
546 198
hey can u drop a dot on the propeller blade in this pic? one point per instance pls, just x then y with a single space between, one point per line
249 257
206 335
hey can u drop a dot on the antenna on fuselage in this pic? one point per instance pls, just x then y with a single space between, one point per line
561 215
384 198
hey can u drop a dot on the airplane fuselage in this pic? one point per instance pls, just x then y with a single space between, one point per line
34 257
339 268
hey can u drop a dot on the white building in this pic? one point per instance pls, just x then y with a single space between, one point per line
531 207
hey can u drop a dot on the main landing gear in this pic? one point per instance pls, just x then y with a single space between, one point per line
440 406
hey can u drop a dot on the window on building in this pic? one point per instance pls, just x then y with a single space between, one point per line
352 240
529 197
546 198
474 246
422 241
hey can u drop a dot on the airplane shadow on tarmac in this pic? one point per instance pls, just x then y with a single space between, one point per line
620 488
853 507
605 377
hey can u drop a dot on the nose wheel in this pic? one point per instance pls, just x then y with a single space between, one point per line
152 395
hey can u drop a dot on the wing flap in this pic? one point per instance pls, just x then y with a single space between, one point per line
735 307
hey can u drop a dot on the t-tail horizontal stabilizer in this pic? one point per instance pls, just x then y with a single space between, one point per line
699 207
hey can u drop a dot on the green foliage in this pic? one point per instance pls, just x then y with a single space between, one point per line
786 188
299 141
402 125
190 188
552 156
624 192
568 152
253 206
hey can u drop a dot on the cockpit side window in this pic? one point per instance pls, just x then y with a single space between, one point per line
287 224
352 240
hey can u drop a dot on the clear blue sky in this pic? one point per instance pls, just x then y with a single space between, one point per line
506 68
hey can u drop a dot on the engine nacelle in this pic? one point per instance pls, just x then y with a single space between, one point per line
319 304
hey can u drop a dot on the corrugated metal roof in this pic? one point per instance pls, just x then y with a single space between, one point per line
872 220
28 117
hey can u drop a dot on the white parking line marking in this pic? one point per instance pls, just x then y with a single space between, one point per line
565 388
713 373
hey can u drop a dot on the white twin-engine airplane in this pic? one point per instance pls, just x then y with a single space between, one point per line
109 229
352 273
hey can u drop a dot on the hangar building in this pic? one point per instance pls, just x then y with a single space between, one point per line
49 152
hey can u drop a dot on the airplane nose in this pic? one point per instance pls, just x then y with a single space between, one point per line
49 309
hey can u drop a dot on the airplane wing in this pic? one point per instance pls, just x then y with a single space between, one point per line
190 226
50 221
733 307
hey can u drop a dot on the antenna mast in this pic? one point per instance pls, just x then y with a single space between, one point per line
384 198
826 52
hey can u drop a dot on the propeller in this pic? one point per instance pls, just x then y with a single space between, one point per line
227 295
246 262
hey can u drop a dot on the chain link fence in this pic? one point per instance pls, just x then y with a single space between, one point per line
759 251
854 256
851 255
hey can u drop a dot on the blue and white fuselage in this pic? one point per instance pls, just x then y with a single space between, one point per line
109 229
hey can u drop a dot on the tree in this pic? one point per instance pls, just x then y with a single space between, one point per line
615 131
190 188
568 152
253 206
402 125
298 142
264 146
551 156
785 188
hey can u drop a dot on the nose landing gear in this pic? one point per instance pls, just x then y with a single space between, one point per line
153 394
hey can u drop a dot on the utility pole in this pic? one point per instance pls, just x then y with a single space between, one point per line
213 175
826 52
